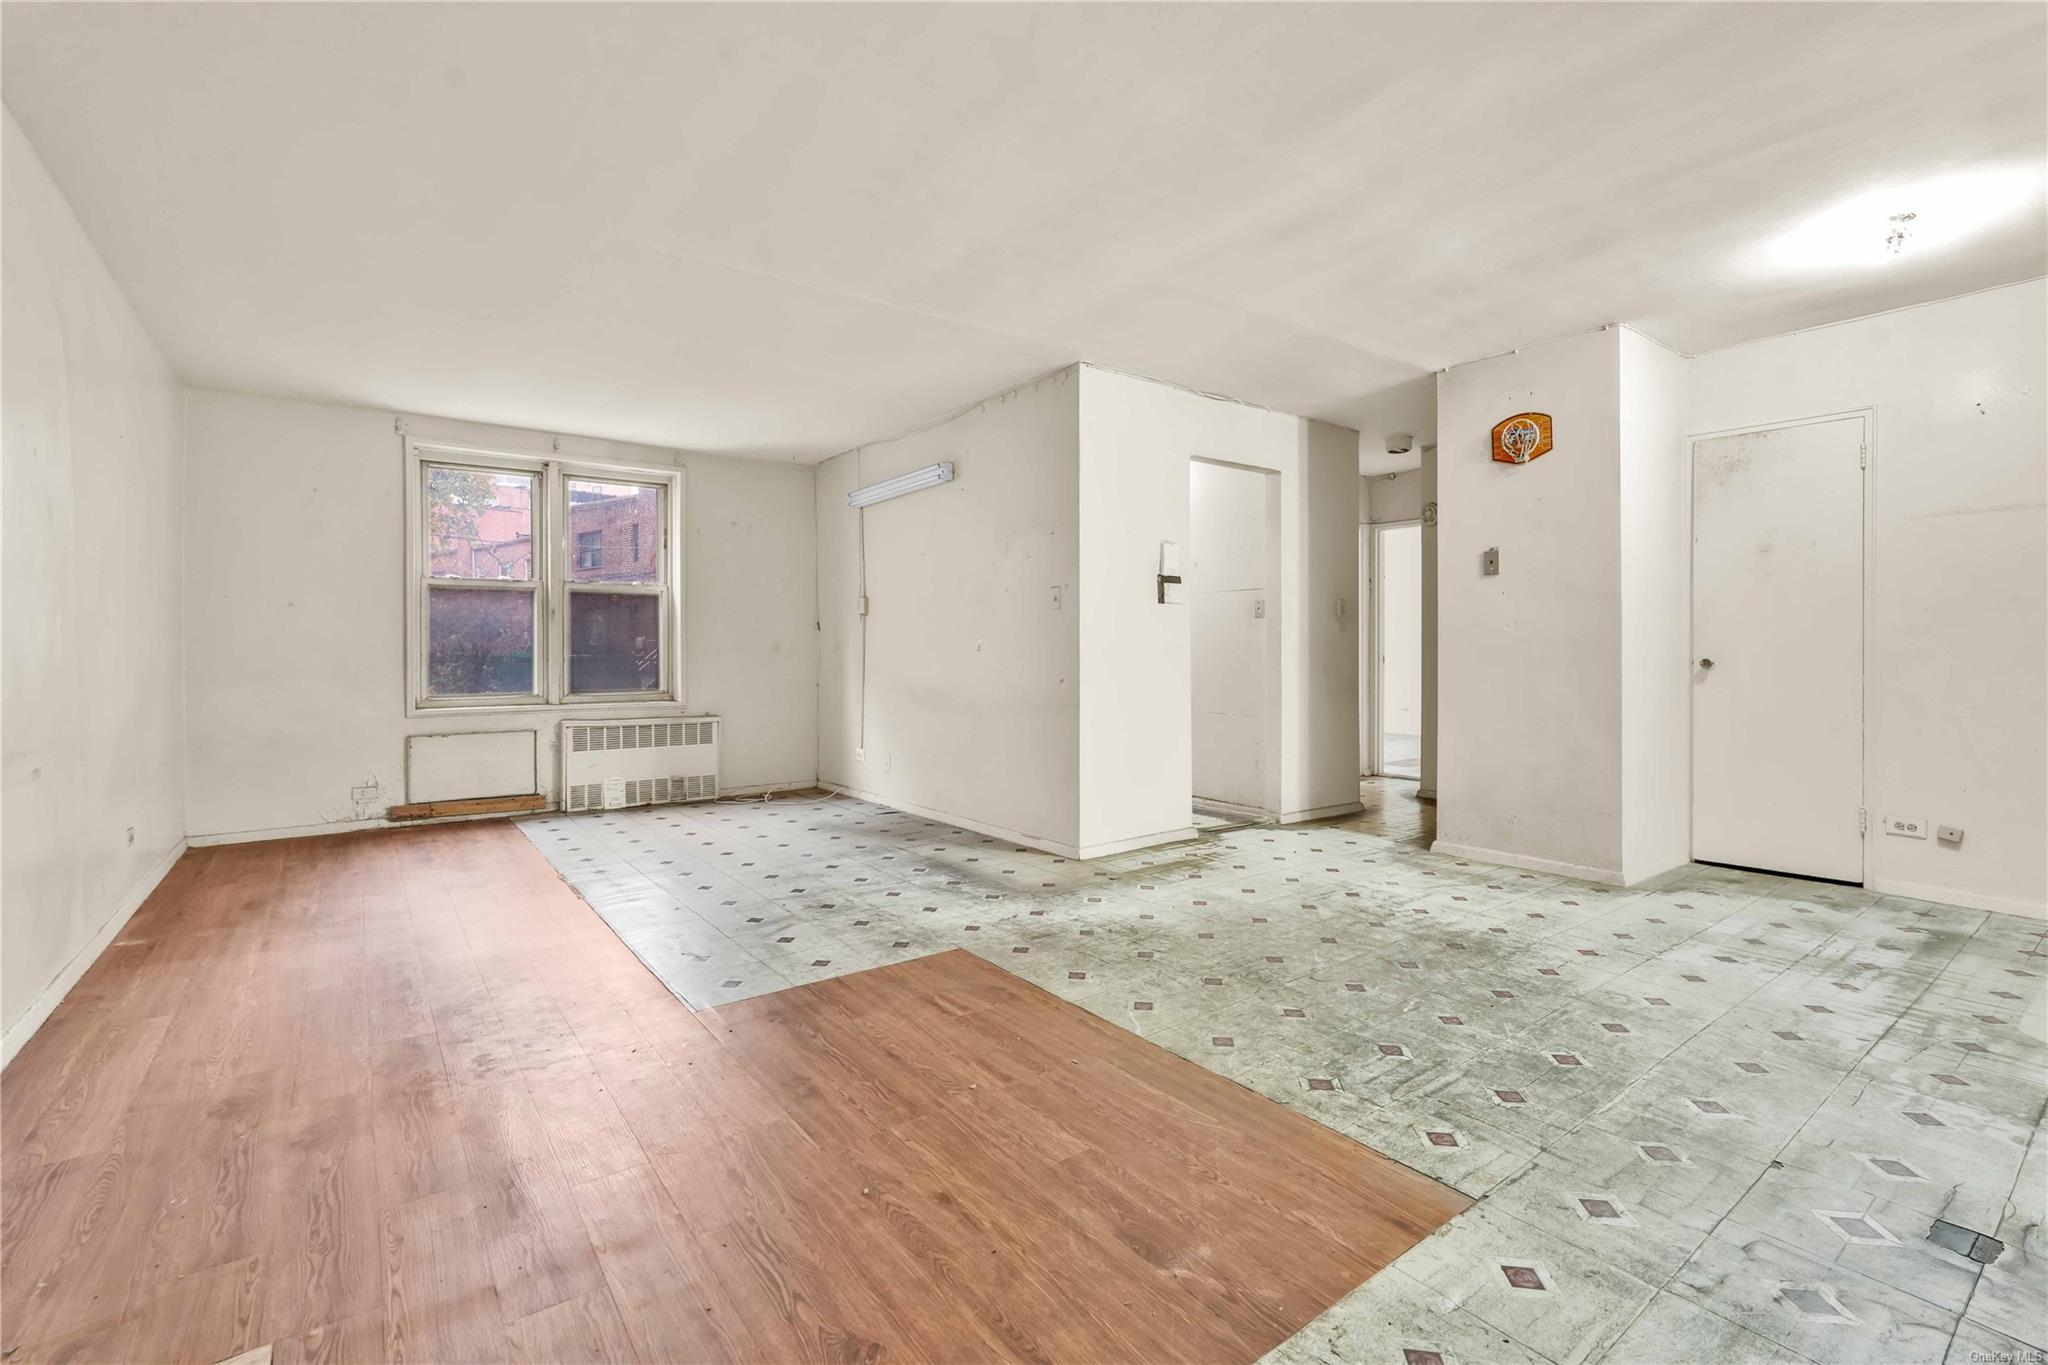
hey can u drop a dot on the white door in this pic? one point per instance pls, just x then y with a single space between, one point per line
1777 628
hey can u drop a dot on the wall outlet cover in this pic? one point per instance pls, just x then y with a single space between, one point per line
1905 826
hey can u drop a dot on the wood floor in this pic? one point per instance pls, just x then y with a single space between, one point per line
404 1097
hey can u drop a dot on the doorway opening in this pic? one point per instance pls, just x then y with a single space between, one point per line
1232 571
1396 597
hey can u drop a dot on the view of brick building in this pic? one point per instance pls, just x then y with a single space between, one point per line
481 526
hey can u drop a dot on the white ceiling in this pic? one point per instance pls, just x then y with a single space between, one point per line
787 229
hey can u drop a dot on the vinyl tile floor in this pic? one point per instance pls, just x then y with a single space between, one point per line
1730 1117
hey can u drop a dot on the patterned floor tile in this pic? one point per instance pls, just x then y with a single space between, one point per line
1759 1090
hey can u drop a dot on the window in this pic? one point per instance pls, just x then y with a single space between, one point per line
540 582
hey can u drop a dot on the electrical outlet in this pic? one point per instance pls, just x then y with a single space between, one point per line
1905 826
1489 563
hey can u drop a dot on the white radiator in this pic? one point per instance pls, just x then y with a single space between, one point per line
607 764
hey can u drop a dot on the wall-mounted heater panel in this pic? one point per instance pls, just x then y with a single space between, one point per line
609 764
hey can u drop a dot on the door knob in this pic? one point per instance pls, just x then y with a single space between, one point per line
1706 663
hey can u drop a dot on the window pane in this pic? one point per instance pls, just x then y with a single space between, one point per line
479 523
614 532
479 643
614 642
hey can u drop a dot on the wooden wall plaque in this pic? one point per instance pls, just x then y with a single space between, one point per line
1522 438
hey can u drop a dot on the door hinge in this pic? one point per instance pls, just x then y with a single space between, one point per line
1863 820
1863 456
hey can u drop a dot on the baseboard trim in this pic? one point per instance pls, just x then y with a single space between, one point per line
1116 846
1302 817
24 1028
994 831
1253 813
1969 900
1604 876
257 836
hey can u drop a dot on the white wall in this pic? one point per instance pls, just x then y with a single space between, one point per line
295 621
1656 611
1393 497
1529 767
971 669
1137 440
1229 566
1957 564
93 684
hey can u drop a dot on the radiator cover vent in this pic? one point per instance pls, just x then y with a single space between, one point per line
612 764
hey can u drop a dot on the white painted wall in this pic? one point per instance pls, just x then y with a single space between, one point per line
1958 569
1394 497
295 611
1529 764
1229 566
1656 610
1137 440
972 686
94 698
1562 682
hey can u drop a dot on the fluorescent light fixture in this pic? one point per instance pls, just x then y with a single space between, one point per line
1876 226
931 476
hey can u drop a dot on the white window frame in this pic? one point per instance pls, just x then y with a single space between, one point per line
553 560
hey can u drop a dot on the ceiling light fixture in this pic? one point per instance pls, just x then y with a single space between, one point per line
1871 228
1895 240
931 476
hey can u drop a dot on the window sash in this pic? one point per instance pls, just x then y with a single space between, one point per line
552 583
535 665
